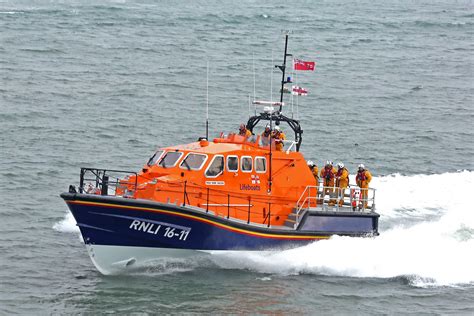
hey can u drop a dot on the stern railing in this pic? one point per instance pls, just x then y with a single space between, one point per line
332 198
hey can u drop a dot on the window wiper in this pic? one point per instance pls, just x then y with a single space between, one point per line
187 165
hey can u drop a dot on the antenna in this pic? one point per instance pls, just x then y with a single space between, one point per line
293 74
271 79
249 106
207 101
253 64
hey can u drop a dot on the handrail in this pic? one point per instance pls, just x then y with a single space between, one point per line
102 181
239 204
292 143
352 201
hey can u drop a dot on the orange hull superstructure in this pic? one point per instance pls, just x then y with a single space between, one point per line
241 189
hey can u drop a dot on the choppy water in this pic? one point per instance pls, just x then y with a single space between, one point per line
103 83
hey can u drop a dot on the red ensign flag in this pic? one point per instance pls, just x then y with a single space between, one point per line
299 64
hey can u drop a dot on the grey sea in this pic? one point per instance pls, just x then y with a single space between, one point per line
104 83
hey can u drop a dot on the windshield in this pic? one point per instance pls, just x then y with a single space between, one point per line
154 159
169 160
193 161
216 167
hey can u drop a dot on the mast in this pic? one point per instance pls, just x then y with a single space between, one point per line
283 81
283 68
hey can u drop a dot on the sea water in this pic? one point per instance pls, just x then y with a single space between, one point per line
104 83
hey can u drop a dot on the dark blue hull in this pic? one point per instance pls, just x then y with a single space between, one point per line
138 223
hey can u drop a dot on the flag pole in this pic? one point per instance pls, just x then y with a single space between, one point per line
297 104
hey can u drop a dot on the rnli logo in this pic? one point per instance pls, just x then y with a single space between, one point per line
255 186
255 179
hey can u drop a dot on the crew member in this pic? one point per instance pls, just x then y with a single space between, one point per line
363 179
327 175
342 181
243 131
279 137
266 135
314 171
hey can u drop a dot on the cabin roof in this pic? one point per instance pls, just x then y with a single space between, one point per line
215 148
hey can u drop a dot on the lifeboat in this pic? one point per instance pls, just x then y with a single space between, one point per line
230 193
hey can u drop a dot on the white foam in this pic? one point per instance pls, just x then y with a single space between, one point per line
437 251
67 224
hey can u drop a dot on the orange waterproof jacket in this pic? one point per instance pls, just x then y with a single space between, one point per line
342 178
245 133
278 141
363 178
314 170
327 176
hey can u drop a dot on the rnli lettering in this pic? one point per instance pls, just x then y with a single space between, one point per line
171 231
145 227
248 187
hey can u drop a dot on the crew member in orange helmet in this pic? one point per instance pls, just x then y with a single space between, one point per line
342 181
327 175
243 131
363 179
279 137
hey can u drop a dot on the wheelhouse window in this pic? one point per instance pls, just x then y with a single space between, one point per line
260 164
232 163
193 161
170 159
246 164
154 159
216 167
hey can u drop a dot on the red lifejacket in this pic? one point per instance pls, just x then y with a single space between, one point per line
339 172
327 173
361 176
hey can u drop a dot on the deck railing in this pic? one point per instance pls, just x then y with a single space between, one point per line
231 206
107 182
352 198
241 207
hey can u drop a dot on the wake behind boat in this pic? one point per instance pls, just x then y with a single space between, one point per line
236 192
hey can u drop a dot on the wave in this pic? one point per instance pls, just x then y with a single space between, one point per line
432 244
67 224
426 237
